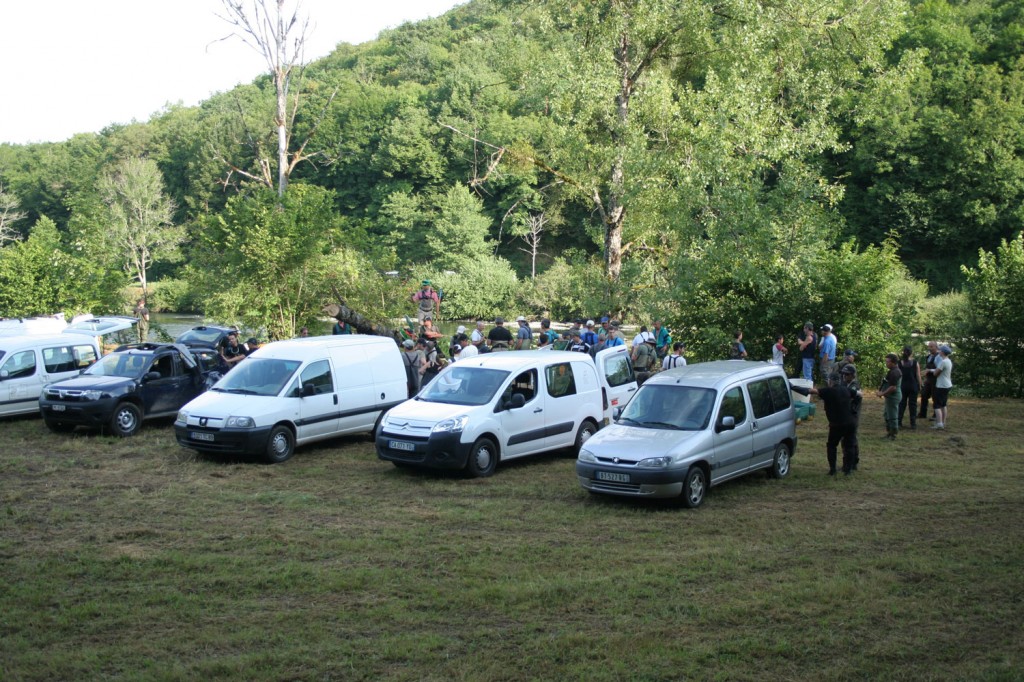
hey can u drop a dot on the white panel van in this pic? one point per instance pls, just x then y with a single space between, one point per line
290 393
27 363
693 427
500 406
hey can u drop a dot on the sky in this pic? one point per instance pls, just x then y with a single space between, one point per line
78 66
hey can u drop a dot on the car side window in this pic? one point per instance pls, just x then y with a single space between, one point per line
781 397
19 365
525 384
561 381
164 366
619 370
83 356
733 405
760 398
319 375
58 359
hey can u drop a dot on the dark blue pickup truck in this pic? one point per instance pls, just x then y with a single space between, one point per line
133 383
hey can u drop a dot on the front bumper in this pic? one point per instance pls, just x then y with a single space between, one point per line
92 413
233 441
637 483
438 451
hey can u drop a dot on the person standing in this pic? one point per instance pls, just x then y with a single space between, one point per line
890 390
477 338
827 350
500 337
662 339
943 383
737 351
142 314
808 343
426 300
928 384
589 336
614 337
779 350
910 386
230 352
841 423
524 337
848 375
412 358
676 359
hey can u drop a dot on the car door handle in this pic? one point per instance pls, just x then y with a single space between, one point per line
539 409
630 390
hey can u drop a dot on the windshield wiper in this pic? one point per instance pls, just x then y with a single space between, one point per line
665 424
627 419
242 391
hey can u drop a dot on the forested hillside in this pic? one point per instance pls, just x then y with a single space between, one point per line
720 164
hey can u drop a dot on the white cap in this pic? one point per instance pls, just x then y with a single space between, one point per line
520 319
827 327
590 323
461 329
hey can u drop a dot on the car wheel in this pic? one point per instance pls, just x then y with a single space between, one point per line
483 458
695 486
126 420
586 430
281 445
59 427
780 463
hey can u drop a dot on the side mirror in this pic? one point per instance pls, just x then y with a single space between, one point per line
516 401
151 376
308 390
728 423
616 413
4 374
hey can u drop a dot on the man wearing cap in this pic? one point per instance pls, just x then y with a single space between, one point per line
602 332
849 378
524 337
849 358
943 374
644 355
455 340
827 350
808 343
500 337
928 384
841 423
891 391
413 359
589 336
426 300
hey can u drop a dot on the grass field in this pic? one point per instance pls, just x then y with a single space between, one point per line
137 559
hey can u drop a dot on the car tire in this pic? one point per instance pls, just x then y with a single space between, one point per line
695 487
583 434
126 420
781 461
280 445
59 427
483 458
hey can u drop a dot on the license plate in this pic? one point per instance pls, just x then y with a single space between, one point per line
401 445
58 408
199 435
609 476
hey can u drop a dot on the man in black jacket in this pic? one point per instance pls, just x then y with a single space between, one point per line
842 424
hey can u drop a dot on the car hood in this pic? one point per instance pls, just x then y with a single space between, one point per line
221 405
634 442
422 412
91 383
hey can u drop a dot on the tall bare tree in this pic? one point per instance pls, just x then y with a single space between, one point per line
277 31
532 236
10 213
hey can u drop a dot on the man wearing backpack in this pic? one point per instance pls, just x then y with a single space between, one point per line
426 300
676 359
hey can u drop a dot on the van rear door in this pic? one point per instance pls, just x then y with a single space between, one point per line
615 372
353 380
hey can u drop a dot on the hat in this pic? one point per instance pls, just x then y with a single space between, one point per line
603 320
520 319
827 327
848 369
252 341
408 343
576 333
945 350
499 320
461 329
425 283
456 349
850 352
590 323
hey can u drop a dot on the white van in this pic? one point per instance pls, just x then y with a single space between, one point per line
27 363
290 393
499 406
693 427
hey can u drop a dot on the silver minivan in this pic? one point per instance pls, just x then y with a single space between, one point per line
693 427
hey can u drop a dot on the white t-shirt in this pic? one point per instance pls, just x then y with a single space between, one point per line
944 377
467 352
477 337
671 361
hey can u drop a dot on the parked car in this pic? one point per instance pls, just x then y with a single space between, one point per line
289 393
206 336
28 363
133 383
693 427
499 406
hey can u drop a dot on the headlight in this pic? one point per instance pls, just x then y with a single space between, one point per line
655 462
451 425
182 417
587 456
91 395
239 423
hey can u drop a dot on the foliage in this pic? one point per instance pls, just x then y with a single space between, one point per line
572 288
481 288
172 295
990 355
943 316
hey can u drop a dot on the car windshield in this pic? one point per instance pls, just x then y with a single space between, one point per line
669 406
207 336
128 365
258 376
464 386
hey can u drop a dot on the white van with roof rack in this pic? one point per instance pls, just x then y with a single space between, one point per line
28 363
499 406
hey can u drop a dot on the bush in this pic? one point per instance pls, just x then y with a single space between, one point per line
480 288
172 295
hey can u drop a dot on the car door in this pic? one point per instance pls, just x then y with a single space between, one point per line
522 428
733 447
615 371
318 401
769 398
357 405
21 382
164 395
561 402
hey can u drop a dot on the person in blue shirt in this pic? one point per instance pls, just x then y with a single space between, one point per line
614 338
827 350
589 336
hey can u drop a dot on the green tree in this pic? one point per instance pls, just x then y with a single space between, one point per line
139 217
